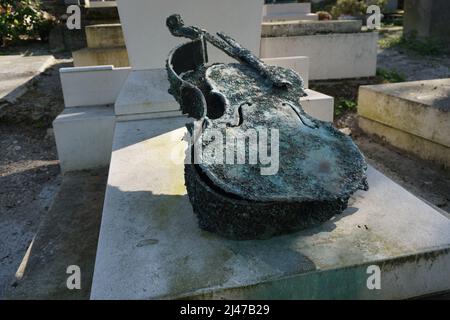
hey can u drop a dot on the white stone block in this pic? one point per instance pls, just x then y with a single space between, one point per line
92 86
144 94
332 56
149 41
150 245
100 4
318 105
288 11
298 64
84 137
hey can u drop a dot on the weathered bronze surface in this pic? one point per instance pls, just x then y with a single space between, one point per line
319 167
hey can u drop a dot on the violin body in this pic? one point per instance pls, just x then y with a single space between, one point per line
232 193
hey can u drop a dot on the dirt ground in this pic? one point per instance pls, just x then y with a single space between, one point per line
30 176
29 168
425 180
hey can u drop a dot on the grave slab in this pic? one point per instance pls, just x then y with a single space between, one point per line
331 56
144 94
421 108
413 116
116 56
420 147
92 86
151 247
307 28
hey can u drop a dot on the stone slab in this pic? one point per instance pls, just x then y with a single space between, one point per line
104 36
151 247
117 56
92 86
149 41
145 92
421 108
17 71
331 56
151 115
420 147
298 64
306 28
84 137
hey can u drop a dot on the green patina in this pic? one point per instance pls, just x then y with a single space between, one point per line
317 167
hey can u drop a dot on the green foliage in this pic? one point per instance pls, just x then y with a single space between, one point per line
344 105
390 75
424 47
347 7
356 8
390 41
21 18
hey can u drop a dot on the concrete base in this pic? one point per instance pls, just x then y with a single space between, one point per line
422 148
84 137
331 56
92 86
145 95
413 116
307 28
318 105
16 72
104 36
151 247
118 57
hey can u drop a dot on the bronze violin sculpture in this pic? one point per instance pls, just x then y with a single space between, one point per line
318 169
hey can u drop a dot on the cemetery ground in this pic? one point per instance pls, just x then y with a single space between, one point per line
62 214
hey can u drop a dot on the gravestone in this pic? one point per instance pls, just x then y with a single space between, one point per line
148 41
